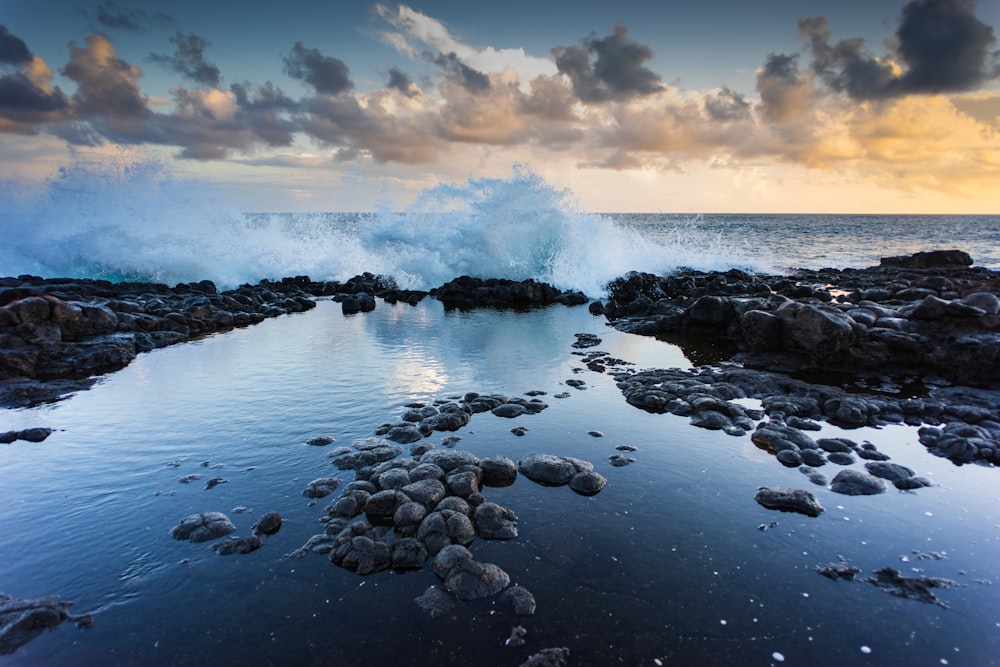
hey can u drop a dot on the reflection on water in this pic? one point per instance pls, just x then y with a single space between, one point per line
667 563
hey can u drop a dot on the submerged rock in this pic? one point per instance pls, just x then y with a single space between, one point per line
268 523
521 599
241 545
548 657
23 620
321 487
203 527
436 602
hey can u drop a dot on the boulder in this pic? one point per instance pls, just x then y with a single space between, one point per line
203 527
788 500
855 483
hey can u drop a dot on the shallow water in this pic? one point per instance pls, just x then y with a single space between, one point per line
666 563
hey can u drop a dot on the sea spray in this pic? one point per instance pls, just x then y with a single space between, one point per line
126 219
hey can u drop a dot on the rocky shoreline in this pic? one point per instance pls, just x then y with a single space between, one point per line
928 322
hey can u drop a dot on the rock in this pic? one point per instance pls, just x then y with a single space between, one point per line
444 527
428 492
521 599
203 527
495 522
436 602
215 481
321 487
320 441
546 469
761 330
587 483
509 410
891 472
620 460
463 482
933 258
789 500
465 577
381 507
23 620
585 340
548 657
912 588
448 460
408 554
408 517
498 471
404 433
516 637
241 545
855 483
268 523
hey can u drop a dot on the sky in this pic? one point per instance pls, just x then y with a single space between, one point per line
781 106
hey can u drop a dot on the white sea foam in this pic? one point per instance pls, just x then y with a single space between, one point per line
136 220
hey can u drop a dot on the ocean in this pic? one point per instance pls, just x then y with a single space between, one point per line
672 563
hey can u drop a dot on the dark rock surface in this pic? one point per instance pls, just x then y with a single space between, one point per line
788 500
855 483
203 527
23 620
267 523
466 293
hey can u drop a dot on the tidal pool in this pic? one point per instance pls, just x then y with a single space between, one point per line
672 563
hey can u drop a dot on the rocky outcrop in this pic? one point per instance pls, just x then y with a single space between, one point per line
928 313
466 292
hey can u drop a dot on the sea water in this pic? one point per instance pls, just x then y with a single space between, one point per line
671 563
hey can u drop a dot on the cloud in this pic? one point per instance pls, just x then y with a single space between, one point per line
940 47
27 97
945 46
13 50
329 76
414 34
110 15
728 105
617 72
106 84
398 80
785 91
189 60
472 80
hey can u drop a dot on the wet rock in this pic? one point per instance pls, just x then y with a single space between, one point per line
408 554
620 460
587 482
516 638
428 492
267 523
203 527
519 431
911 483
585 340
509 410
238 545
436 602
320 441
933 258
548 657
448 460
23 620
408 517
912 588
838 570
370 451
856 483
498 471
321 487
788 500
789 457
215 481
37 434
521 599
465 577
840 458
318 544
547 469
891 472
444 527
464 481
381 507
495 522
359 547
404 433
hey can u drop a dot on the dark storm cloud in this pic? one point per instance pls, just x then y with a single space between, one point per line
782 88
398 80
329 76
941 45
189 60
110 15
13 50
727 105
617 72
945 46
471 79
24 104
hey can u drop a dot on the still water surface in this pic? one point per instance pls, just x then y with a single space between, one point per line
665 564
